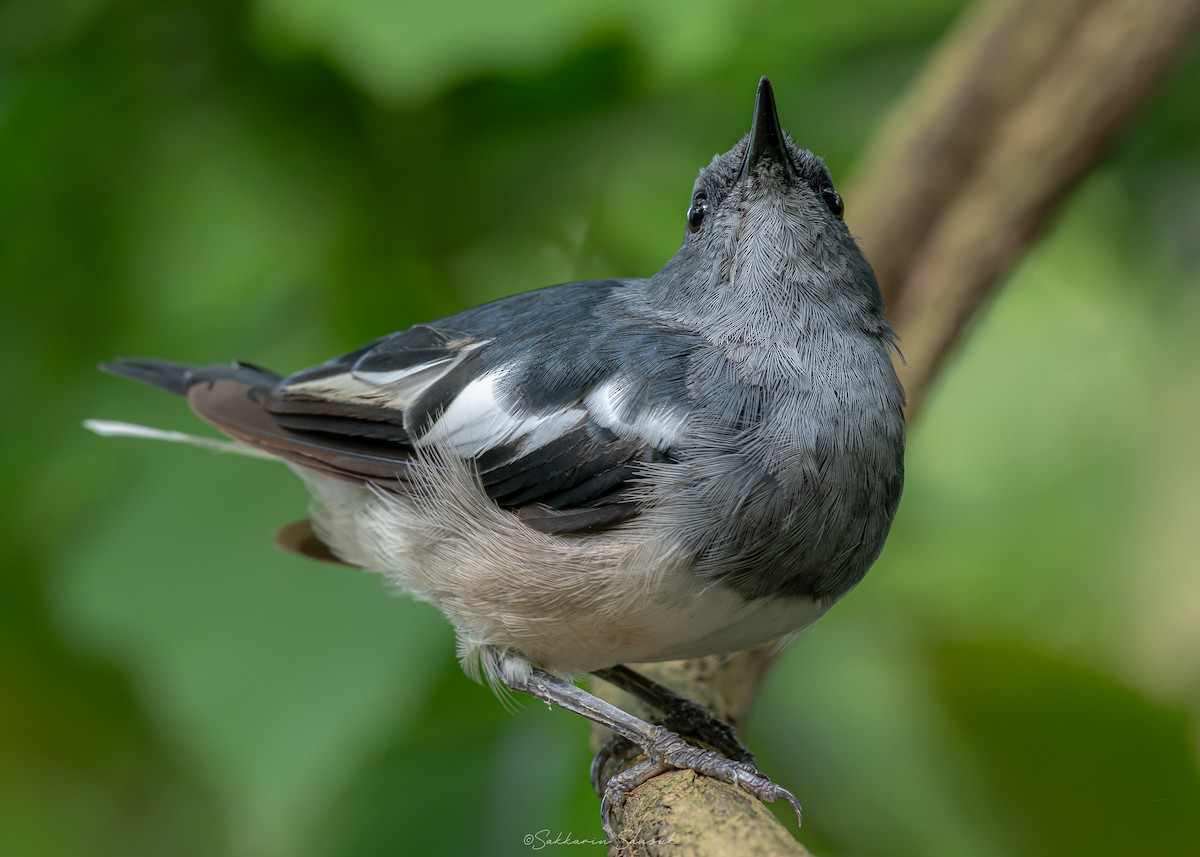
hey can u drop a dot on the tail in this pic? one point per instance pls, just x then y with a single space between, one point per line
178 378
232 399
239 400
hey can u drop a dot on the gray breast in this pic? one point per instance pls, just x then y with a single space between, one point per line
793 468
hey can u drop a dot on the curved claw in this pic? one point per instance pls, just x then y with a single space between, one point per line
615 747
668 751
596 771
791 798
618 789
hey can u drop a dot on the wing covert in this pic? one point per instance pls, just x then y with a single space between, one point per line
557 422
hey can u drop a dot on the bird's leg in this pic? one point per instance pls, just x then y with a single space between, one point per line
680 714
664 749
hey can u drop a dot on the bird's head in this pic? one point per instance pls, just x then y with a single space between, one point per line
766 221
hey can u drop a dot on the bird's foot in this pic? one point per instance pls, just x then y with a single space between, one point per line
666 751
680 714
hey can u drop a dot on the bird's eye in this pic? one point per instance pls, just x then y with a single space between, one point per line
696 211
833 200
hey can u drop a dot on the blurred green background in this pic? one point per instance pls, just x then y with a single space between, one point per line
282 180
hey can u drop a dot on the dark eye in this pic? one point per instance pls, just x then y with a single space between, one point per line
833 200
696 211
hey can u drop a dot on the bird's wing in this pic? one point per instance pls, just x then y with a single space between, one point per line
557 397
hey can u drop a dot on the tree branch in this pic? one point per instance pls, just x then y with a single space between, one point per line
1019 101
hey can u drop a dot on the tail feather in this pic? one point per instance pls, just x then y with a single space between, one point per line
237 400
178 378
114 428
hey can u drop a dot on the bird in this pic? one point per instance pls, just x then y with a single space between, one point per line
616 471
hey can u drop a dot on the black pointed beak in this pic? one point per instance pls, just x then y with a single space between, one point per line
766 136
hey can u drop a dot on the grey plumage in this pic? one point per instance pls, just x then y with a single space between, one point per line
614 470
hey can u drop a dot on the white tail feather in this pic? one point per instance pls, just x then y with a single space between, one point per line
114 428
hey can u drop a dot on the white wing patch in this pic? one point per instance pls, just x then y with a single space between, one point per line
552 427
475 421
659 426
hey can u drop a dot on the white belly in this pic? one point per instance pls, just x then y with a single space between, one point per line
569 604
